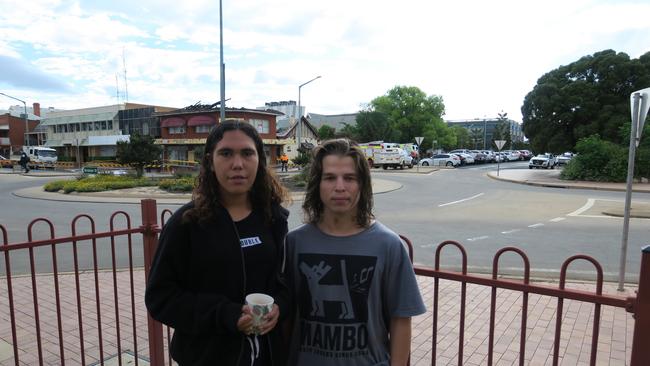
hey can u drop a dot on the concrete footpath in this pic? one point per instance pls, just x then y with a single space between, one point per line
614 345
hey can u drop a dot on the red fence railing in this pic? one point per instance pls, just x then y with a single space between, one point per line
639 306
71 313
83 314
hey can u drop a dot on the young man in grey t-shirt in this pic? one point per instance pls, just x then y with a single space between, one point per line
352 281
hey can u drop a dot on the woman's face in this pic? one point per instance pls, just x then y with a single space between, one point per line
235 162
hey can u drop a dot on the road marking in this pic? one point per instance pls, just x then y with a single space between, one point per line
588 205
557 219
536 225
459 201
510 231
478 238
428 246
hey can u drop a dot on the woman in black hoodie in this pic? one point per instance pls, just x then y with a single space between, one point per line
226 243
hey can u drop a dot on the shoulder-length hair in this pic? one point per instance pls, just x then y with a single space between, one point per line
313 204
266 189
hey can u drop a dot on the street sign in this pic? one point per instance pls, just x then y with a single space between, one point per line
418 140
499 143
639 115
90 170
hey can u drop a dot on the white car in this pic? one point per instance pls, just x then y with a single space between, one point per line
546 161
564 158
448 160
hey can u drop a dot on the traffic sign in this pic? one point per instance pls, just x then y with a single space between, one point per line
499 143
418 140
89 170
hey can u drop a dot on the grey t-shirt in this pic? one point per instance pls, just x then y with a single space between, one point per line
347 289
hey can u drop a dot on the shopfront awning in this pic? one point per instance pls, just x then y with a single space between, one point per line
172 122
200 121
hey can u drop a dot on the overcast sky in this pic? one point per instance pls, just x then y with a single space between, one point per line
482 57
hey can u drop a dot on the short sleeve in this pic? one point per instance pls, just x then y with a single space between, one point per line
403 294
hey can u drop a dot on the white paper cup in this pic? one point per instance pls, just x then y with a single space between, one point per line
260 304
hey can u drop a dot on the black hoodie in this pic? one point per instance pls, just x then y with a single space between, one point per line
198 289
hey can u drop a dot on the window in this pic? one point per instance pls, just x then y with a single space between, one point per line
203 129
261 125
110 125
145 128
176 130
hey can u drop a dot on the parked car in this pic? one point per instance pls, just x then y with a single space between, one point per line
564 158
490 156
466 158
546 161
449 160
512 155
525 154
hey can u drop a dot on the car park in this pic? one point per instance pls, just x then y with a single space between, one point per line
449 160
546 161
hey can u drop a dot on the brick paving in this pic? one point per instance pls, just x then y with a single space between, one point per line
614 340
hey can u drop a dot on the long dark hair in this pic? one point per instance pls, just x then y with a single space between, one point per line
313 205
266 189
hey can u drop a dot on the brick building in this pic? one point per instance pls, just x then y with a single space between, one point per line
12 132
184 131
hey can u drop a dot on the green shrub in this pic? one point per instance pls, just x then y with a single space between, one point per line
597 160
185 184
98 183
55 186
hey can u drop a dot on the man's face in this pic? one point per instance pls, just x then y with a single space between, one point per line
339 186
235 162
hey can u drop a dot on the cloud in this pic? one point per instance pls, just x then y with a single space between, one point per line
20 74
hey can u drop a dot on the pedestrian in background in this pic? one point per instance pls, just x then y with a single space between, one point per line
350 276
284 160
24 162
226 243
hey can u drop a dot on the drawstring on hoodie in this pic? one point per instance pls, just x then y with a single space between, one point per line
254 345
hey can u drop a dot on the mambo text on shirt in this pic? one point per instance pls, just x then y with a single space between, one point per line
334 340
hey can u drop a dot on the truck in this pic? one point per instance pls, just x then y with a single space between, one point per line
386 154
39 156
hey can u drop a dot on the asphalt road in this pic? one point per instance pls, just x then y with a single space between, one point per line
464 205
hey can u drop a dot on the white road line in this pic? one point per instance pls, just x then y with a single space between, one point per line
478 238
510 231
536 225
588 205
557 219
459 201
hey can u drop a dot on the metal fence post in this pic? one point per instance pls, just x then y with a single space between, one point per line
150 242
641 339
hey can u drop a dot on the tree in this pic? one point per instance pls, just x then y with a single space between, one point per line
371 126
589 96
462 137
326 132
502 130
138 152
409 111
476 137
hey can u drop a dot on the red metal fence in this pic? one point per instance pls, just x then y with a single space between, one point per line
69 317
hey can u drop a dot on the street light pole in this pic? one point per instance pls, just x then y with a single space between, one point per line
26 124
222 67
299 126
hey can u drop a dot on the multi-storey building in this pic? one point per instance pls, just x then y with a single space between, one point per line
482 130
92 133
184 131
